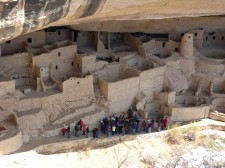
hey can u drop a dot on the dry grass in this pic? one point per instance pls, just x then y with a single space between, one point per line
174 136
178 135
194 135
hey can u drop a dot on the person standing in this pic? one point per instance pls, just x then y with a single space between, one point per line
87 132
81 123
134 124
84 127
76 130
68 131
143 124
159 125
102 127
109 131
165 122
153 124
96 132
113 130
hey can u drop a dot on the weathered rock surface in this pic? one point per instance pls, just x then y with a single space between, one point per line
23 16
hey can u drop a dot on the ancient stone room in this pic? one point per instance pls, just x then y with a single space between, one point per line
112 83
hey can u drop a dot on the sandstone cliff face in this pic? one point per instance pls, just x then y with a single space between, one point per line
22 16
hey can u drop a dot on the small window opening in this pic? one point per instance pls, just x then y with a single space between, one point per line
206 38
59 54
222 38
8 42
59 32
214 37
196 34
211 33
163 44
182 34
72 63
176 50
29 40
78 82
56 67
189 36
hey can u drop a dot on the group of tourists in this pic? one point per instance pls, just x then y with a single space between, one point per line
119 125
80 127
130 125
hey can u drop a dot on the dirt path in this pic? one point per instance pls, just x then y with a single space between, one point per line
59 138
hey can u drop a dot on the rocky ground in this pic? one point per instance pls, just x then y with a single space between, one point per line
200 144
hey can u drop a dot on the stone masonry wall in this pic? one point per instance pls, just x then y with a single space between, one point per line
121 94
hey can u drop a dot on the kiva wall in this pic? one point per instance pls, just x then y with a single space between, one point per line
11 144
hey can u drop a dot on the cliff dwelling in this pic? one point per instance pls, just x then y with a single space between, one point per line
52 75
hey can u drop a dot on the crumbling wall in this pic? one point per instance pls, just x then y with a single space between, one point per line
162 49
57 35
42 60
100 41
62 61
189 113
206 81
219 85
103 85
110 73
167 98
198 36
81 87
7 87
15 63
214 40
139 63
132 41
84 39
174 80
187 67
44 73
152 81
78 63
209 68
17 45
11 144
121 94
88 63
